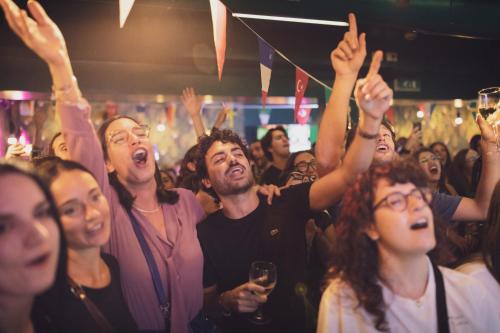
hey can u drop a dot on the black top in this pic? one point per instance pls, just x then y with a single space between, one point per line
69 314
271 233
272 175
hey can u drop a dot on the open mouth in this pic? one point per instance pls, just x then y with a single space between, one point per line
434 170
235 170
382 148
140 156
419 224
39 261
94 228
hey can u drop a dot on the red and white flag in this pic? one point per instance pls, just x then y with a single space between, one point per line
125 7
301 80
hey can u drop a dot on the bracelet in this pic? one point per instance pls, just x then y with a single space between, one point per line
63 92
365 135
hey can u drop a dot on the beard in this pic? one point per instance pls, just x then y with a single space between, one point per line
223 188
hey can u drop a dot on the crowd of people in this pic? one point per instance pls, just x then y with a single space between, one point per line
365 237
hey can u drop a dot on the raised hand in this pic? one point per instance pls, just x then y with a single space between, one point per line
40 34
190 101
350 53
373 95
221 116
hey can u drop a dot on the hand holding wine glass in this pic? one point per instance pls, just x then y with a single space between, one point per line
489 108
264 274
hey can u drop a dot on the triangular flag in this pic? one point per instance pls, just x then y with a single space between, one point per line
390 115
125 7
301 80
219 23
170 113
303 116
266 55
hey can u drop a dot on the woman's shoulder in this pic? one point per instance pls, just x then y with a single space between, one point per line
341 292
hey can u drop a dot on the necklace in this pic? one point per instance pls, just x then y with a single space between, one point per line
147 211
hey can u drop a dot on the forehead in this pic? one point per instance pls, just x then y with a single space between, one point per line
18 191
425 154
439 146
255 145
219 146
70 180
278 133
57 141
121 124
384 188
384 130
303 157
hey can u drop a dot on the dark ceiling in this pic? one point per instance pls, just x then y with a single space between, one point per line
166 45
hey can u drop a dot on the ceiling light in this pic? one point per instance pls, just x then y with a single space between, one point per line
291 19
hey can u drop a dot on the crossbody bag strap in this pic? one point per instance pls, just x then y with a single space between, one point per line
442 311
94 311
153 269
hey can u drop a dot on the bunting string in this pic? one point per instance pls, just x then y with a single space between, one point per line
280 53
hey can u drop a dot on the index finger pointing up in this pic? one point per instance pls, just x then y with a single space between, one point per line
353 27
375 64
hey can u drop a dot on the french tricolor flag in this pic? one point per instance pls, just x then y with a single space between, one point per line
266 63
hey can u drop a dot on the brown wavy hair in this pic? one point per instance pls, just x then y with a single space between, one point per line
355 258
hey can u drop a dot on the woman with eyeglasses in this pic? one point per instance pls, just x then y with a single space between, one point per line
430 163
93 300
153 231
382 278
32 250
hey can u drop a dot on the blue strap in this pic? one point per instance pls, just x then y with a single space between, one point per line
155 275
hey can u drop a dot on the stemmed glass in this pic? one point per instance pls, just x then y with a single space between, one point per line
264 274
489 107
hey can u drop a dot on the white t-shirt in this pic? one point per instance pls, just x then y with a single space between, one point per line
470 308
478 270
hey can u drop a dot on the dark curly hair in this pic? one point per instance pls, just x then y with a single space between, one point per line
355 257
206 141
267 141
126 198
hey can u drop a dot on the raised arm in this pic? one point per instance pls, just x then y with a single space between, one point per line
44 38
347 60
192 105
373 96
477 208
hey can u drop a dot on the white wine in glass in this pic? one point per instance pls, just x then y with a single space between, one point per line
264 274
488 103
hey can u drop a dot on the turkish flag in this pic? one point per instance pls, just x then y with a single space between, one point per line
219 24
301 80
303 116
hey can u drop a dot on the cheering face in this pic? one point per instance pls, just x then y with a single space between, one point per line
130 152
29 238
404 224
385 148
60 148
83 208
440 150
430 164
228 169
279 144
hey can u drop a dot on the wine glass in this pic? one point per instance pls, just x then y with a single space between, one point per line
489 107
264 274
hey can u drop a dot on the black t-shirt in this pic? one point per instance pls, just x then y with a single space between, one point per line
272 175
69 313
271 233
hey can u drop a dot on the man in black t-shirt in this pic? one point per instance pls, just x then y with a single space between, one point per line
248 229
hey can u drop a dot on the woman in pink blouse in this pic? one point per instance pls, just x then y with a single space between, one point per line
161 278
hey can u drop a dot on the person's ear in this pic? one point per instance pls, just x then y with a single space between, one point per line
372 232
109 167
206 182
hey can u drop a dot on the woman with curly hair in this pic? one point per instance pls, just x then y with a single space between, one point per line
382 278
